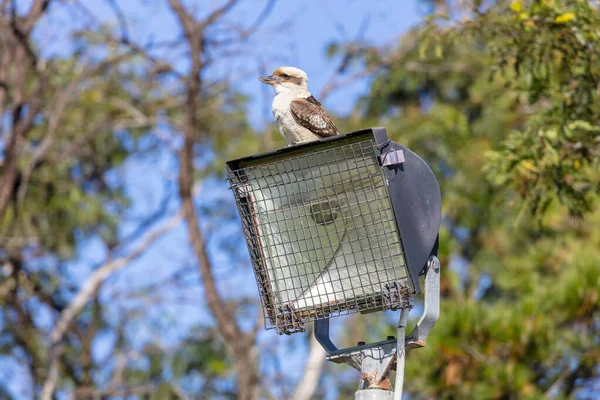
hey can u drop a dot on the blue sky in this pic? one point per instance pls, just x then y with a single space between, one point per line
295 33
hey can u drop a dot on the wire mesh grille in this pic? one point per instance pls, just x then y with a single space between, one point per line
322 235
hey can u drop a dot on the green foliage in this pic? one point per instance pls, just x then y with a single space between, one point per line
206 356
505 108
549 55
67 192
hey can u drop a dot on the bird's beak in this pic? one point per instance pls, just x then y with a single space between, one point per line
270 80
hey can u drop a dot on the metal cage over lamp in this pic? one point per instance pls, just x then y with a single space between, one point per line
345 224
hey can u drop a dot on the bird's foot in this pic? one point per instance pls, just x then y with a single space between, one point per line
301 142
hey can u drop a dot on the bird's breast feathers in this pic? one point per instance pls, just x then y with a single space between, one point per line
281 109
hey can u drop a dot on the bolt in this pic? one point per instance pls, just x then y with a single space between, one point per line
434 263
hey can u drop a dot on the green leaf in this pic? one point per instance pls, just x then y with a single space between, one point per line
423 47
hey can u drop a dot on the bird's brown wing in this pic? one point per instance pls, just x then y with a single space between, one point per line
310 114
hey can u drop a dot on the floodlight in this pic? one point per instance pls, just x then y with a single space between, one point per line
340 225
335 226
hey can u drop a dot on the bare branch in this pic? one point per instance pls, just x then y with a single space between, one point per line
38 8
55 116
121 18
245 33
21 125
141 391
261 18
179 392
4 60
188 23
226 321
12 153
91 285
305 389
333 84
80 140
555 387
216 14
150 219
396 53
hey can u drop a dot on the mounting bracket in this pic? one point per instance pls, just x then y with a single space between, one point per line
374 361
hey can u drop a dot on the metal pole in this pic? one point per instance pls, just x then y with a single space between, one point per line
373 394
400 353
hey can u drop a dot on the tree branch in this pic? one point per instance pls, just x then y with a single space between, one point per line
13 149
21 125
216 14
240 344
225 320
188 23
305 389
121 18
54 118
333 84
91 285
38 8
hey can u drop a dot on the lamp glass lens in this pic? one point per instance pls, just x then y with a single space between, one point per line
322 231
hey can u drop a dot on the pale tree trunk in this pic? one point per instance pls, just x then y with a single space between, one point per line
305 389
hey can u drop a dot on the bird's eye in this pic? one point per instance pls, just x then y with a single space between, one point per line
285 76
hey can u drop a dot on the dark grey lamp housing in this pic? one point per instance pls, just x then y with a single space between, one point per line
345 224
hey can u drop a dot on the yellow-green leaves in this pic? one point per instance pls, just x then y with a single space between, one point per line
517 8
427 45
584 125
564 18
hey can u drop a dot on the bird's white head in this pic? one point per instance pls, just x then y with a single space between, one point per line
288 80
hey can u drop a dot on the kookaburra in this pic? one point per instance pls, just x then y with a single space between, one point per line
298 115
